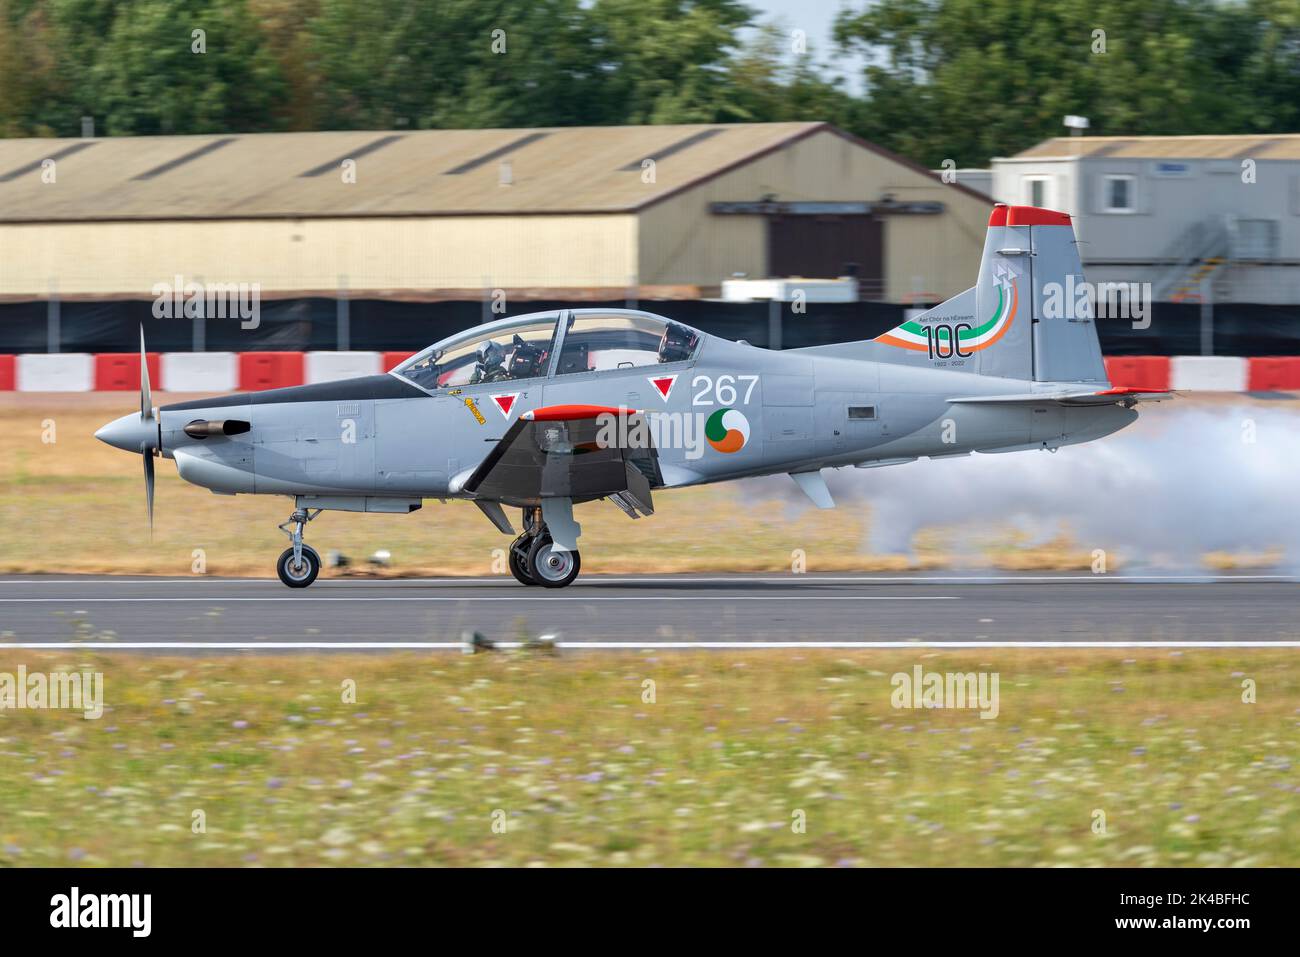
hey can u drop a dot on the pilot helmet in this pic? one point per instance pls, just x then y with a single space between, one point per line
490 354
678 343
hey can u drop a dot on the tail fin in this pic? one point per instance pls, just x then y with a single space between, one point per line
1000 327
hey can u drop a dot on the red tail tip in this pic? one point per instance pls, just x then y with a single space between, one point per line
1027 216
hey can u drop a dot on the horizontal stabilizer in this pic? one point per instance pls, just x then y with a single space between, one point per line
1072 397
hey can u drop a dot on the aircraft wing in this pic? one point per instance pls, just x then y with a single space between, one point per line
554 452
1120 394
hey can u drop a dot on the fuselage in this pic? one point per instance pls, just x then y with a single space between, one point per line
385 442
546 411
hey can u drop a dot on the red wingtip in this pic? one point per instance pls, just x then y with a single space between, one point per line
1035 216
1128 390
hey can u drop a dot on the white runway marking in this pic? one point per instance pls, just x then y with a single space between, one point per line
213 599
672 580
615 645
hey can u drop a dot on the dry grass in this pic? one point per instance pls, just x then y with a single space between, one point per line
573 763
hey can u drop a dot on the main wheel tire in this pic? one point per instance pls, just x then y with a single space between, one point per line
518 561
550 567
300 576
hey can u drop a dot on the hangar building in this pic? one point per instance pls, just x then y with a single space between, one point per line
599 212
1200 218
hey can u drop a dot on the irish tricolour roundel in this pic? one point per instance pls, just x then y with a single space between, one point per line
727 430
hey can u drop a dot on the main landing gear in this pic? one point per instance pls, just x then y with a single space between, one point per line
298 564
535 559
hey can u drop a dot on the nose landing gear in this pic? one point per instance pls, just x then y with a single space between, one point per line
299 564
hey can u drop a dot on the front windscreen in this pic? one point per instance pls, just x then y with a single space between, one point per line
520 352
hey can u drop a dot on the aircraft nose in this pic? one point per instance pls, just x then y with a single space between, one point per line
129 432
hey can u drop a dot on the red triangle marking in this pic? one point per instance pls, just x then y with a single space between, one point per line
505 402
663 384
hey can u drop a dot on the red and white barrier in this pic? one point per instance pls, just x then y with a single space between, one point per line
199 372
56 372
269 370
1208 373
120 371
1274 374
1139 372
391 360
332 366
254 371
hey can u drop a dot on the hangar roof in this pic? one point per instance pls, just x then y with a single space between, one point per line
412 173
1256 146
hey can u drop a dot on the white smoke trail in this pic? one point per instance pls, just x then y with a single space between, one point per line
1184 480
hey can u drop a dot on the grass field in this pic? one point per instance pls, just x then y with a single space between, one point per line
76 505
522 759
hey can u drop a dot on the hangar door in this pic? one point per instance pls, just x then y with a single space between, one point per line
826 247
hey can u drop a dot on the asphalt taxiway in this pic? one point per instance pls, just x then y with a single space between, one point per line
651 611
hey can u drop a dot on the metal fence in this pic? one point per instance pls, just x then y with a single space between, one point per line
1185 328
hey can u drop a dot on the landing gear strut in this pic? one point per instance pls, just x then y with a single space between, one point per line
299 564
534 558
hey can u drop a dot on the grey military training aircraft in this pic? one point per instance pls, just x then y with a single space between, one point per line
546 411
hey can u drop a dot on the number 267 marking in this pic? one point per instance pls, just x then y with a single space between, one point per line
723 389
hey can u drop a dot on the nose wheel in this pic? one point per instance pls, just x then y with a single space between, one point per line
299 571
299 564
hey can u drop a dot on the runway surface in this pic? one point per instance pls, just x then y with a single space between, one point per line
650 611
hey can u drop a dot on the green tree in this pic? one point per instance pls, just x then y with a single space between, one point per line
770 83
155 73
284 28
667 61
971 79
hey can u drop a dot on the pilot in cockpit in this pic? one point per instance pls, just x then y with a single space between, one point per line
526 360
677 343
490 366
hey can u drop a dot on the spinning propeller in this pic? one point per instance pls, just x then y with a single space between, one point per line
132 433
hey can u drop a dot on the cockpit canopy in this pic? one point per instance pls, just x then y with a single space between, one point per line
524 347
